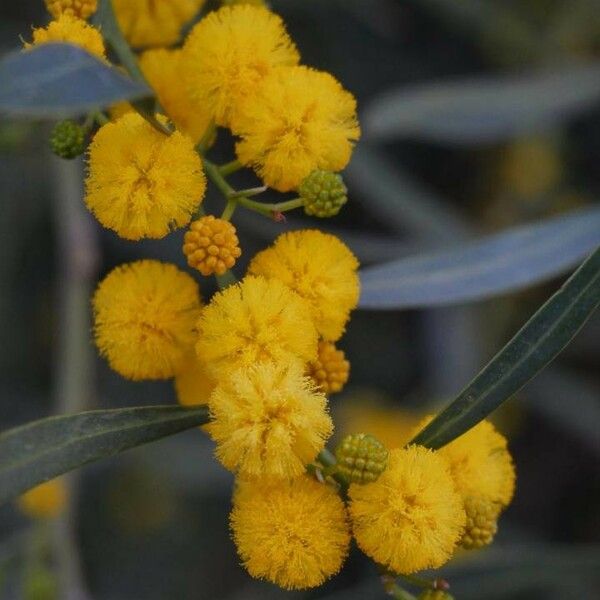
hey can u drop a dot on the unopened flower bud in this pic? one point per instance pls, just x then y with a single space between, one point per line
67 139
361 457
324 194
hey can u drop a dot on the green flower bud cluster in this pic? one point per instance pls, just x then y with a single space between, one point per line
67 139
361 458
324 194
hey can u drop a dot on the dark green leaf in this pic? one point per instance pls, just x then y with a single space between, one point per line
498 264
59 80
539 341
486 110
41 450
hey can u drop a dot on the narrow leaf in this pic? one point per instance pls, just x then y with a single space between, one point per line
485 110
539 341
59 80
44 449
498 264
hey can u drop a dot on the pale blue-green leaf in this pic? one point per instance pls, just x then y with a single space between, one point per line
498 264
485 110
60 80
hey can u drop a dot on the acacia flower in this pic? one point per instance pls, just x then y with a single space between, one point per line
165 71
45 501
299 120
148 23
142 183
330 370
70 30
75 8
480 463
232 50
144 316
255 321
294 534
268 420
411 518
319 268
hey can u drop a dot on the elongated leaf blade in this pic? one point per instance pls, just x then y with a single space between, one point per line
486 110
538 342
498 264
44 449
59 80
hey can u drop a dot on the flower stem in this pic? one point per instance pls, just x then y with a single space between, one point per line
230 167
417 581
269 209
229 209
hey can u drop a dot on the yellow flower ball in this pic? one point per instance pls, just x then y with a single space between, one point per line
193 384
293 534
148 23
232 50
141 183
45 501
166 71
299 120
144 317
257 320
75 8
70 30
319 268
331 370
411 518
480 463
268 421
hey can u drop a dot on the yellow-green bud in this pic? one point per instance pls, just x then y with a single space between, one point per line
361 458
435 595
67 139
482 523
324 194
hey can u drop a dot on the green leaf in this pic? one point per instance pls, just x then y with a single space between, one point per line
497 264
485 110
59 80
539 341
44 449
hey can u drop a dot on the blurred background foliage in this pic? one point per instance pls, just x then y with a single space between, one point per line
152 523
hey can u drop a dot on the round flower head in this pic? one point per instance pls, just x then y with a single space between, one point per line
318 267
268 421
480 463
45 501
147 23
294 534
412 517
193 384
254 321
142 183
330 370
144 315
232 50
76 8
70 30
165 71
299 120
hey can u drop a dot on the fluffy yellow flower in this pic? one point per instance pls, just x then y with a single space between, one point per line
411 518
193 384
268 420
299 120
70 30
76 8
318 267
45 501
257 320
294 534
231 51
480 463
142 183
144 317
148 23
165 71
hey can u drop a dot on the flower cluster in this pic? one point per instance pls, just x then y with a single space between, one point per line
262 353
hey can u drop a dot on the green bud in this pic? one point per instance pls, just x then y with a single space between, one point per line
361 458
324 194
67 139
